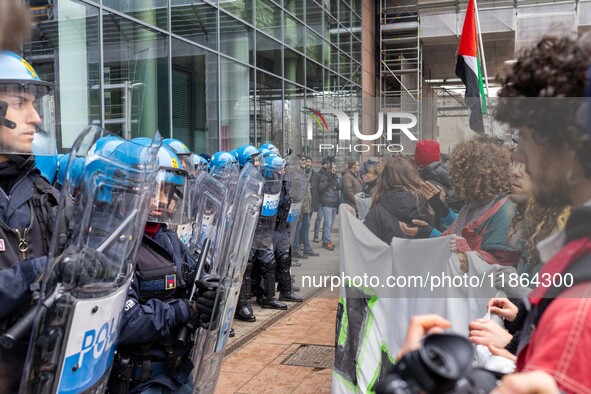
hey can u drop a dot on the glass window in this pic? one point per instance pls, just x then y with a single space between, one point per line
344 65
344 14
236 39
196 21
313 46
293 118
344 39
74 63
268 18
154 12
314 16
136 78
294 33
314 76
234 104
294 66
269 109
333 29
240 8
194 96
295 7
269 56
331 56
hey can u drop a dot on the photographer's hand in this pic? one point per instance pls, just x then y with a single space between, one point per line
418 327
533 382
487 332
503 308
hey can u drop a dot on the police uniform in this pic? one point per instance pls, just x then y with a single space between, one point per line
27 216
154 312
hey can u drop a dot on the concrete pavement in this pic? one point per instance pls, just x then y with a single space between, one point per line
257 357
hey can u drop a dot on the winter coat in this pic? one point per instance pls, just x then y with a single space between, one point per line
314 181
398 205
351 186
328 188
307 202
437 173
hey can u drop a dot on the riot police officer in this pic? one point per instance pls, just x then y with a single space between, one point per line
149 357
262 254
246 154
27 201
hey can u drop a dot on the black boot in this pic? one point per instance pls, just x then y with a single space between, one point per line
272 303
244 309
291 297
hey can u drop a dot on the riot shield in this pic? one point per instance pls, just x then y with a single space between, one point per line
101 217
263 236
296 181
209 345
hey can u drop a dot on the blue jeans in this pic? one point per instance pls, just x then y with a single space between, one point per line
329 216
319 217
303 234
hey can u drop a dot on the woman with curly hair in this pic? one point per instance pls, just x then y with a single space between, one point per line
397 198
479 169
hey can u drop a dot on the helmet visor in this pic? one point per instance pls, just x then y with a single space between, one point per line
27 119
169 201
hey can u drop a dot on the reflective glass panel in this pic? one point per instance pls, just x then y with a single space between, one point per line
196 21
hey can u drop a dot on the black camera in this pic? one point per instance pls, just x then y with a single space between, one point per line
443 364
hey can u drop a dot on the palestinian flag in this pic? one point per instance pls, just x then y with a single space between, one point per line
469 71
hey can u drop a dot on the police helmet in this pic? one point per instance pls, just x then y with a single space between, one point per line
246 154
21 93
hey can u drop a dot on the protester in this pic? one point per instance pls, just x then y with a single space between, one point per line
479 170
556 337
329 200
370 180
351 182
397 198
431 169
316 203
302 237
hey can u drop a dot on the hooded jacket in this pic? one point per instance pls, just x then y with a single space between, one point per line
396 206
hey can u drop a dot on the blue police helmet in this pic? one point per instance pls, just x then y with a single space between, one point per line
47 165
272 164
177 146
15 69
246 154
271 147
264 152
62 165
167 160
221 159
234 152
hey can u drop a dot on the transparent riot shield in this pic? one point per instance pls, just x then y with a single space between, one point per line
263 236
101 217
209 345
296 184
210 219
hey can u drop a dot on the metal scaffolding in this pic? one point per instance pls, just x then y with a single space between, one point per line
400 62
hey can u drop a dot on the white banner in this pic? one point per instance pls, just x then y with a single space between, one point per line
372 319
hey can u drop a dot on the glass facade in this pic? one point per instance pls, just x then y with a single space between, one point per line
215 74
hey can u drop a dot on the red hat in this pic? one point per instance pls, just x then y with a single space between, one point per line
427 152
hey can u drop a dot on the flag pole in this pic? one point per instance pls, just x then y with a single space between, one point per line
481 50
